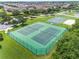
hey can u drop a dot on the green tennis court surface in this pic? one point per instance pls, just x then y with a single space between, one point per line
39 38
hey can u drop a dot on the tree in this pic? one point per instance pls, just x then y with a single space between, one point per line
76 26
21 19
33 12
16 12
26 12
14 22
50 11
68 47
2 14
7 18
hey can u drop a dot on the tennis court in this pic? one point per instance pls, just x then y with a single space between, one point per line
39 38
57 20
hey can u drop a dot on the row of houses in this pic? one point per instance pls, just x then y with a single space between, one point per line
10 6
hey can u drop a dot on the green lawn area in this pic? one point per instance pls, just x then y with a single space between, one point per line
39 19
1 10
12 50
9 13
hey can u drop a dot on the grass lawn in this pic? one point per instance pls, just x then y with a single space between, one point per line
10 49
9 13
1 10
38 19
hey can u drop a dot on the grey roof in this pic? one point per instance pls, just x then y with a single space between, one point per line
15 19
3 27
